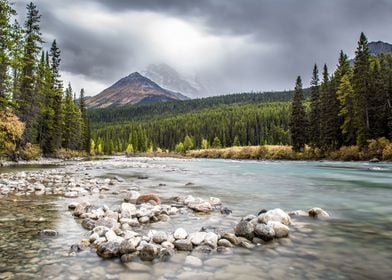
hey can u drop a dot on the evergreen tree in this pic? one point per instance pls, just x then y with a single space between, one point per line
85 122
188 143
314 119
361 87
216 143
27 98
204 144
6 12
345 95
298 118
236 141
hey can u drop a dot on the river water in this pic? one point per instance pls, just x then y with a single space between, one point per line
356 243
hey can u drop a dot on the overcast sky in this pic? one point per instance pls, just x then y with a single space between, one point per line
240 45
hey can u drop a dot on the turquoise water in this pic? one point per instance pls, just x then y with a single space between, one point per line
356 243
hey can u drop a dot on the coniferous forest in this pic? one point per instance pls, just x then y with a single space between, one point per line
36 114
347 108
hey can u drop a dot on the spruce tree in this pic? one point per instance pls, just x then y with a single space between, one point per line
314 118
361 87
345 95
298 118
85 122
27 98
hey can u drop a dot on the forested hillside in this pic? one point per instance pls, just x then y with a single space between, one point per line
35 114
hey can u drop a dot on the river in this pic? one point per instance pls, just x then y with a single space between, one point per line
355 243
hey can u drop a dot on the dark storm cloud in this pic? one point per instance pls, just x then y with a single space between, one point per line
291 35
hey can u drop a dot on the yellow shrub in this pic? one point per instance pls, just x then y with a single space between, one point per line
30 152
346 153
387 152
377 146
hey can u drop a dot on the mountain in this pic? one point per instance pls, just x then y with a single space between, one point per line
376 48
170 79
133 89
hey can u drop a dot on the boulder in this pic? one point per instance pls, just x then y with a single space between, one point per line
147 197
81 208
204 207
128 210
245 229
277 215
180 233
183 245
214 201
318 213
211 239
148 252
265 232
109 249
280 229
225 243
159 237
231 237
196 238
129 257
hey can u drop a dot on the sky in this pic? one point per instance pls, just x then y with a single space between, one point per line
233 45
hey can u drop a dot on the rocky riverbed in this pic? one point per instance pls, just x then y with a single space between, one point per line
124 218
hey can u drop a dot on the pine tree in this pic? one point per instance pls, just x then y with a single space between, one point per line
216 143
345 95
27 98
361 87
85 122
188 143
298 118
314 118
6 12
236 141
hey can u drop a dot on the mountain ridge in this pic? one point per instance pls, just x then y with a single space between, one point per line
133 89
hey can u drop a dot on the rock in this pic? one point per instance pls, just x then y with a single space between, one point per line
39 187
159 237
262 211
265 232
374 160
298 213
203 249
81 208
183 245
131 196
214 201
204 207
248 218
318 213
108 250
147 197
129 257
225 211
232 238
180 233
93 237
245 229
246 243
144 220
196 238
128 210
193 261
277 215
88 224
70 194
167 245
165 254
148 252
280 229
225 243
48 232
110 235
108 222
211 239
100 230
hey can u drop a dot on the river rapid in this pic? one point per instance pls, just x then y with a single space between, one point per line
355 243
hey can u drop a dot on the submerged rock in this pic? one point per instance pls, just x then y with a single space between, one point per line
48 232
109 249
318 213
183 245
148 252
193 261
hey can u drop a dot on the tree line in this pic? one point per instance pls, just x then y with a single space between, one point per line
31 88
349 107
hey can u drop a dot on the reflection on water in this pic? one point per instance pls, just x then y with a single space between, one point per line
355 244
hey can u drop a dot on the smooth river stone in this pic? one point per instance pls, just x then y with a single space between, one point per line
193 261
277 215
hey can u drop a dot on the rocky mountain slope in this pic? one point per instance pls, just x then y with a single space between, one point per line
133 89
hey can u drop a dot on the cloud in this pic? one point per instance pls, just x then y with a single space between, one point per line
238 45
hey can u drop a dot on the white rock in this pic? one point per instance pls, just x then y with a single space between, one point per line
280 229
211 239
204 207
197 237
277 215
318 212
214 201
180 233
128 210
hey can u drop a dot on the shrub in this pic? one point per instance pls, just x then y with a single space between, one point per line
387 152
69 154
346 153
376 147
30 152
11 131
180 148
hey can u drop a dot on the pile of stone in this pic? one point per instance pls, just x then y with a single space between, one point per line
112 233
52 181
